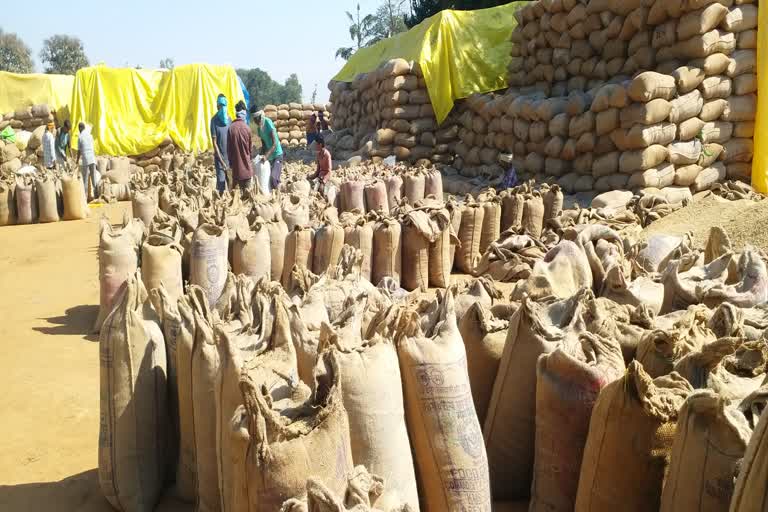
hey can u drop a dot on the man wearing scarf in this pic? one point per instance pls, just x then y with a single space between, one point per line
271 148
219 132
239 148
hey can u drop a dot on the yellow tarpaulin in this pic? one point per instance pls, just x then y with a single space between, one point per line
460 53
760 158
18 91
132 111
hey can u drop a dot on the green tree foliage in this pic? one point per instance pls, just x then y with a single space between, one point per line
390 20
15 56
423 9
167 63
265 91
361 31
62 54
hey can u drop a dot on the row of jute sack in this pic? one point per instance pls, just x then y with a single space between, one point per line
42 197
580 342
28 118
591 42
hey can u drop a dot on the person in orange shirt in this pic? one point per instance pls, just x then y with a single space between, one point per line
324 164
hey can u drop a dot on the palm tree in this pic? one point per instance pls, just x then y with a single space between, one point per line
360 31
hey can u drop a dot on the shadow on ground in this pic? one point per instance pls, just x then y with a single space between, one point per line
79 493
77 321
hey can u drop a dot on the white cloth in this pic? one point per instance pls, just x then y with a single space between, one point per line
49 149
85 147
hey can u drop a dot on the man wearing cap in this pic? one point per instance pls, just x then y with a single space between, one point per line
270 143
239 148
49 147
219 132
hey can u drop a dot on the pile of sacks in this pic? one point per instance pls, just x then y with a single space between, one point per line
45 196
26 148
326 392
292 120
28 118
387 112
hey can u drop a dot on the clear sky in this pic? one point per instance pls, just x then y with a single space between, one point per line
278 36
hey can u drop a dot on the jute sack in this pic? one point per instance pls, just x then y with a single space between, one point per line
251 253
685 106
562 272
511 209
491 205
278 232
209 260
298 252
376 197
711 439
442 250
161 265
751 492
75 207
118 260
387 250
481 289
653 112
688 78
621 475
470 232
568 382
46 200
329 239
650 85
533 215
684 153
394 186
265 352
421 228
445 433
144 205
415 187
660 349
7 204
634 161
283 441
509 428
372 393
295 210
484 337
358 233
133 426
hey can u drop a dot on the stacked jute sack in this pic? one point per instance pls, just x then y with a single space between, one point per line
626 95
292 120
25 149
244 394
388 112
160 158
45 196
29 118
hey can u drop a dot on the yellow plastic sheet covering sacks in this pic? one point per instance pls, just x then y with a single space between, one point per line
131 111
18 91
460 53
760 158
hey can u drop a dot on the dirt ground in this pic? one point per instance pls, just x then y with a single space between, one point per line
49 370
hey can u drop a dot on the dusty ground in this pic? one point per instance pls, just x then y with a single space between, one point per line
49 369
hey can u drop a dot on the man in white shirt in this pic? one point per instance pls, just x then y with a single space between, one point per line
49 147
87 159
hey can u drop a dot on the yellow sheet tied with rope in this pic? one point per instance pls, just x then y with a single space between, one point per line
131 111
460 53
760 157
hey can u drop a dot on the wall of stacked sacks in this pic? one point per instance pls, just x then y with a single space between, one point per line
292 119
28 125
388 112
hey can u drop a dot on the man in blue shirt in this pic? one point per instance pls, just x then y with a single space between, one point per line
219 130
270 144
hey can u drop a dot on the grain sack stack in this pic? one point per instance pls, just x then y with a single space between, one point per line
160 158
28 118
28 125
292 120
388 112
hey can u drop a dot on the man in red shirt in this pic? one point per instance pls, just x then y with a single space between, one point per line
239 148
324 163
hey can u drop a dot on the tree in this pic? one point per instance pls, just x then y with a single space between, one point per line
361 33
423 9
314 95
15 56
264 90
167 63
390 20
63 55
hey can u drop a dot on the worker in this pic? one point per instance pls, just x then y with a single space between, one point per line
87 157
324 162
49 146
239 148
311 129
62 143
271 148
323 123
219 130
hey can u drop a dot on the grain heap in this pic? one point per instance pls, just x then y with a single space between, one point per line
388 112
291 121
627 95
